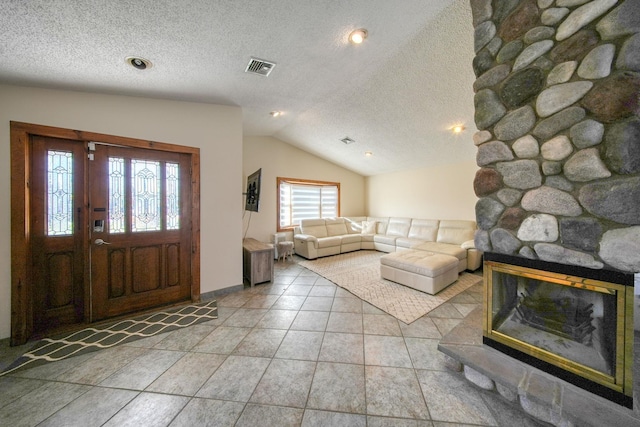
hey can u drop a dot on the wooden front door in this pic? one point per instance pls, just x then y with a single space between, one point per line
140 229
110 230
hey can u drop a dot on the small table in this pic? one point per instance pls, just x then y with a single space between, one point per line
257 261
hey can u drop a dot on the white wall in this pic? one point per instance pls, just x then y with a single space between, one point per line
216 130
444 192
279 159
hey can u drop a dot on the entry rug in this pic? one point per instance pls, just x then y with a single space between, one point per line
359 273
98 338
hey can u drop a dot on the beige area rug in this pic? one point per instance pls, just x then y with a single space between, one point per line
359 273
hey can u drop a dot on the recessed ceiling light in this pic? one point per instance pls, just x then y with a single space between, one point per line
358 36
457 129
275 113
368 153
138 63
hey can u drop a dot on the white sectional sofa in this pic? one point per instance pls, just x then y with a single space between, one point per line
331 236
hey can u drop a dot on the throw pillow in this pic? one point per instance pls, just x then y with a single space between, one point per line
368 227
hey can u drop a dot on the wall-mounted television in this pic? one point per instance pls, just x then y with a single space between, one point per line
252 202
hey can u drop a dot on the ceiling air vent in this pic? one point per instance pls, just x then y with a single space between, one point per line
260 66
347 140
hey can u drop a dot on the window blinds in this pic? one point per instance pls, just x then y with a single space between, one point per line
306 201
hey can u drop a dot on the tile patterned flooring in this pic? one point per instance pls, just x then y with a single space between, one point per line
296 352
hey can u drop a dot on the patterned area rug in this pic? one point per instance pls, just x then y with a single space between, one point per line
359 273
97 338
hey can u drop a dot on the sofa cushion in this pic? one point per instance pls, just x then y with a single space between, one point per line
369 227
367 237
443 248
398 227
336 227
327 242
456 231
407 242
381 224
314 227
387 240
424 229
350 238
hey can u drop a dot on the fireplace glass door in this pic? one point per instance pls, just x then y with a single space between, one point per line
575 324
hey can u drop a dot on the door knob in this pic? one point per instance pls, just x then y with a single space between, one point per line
100 242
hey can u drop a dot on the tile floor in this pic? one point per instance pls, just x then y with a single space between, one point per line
296 352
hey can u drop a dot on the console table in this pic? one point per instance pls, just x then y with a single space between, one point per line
257 261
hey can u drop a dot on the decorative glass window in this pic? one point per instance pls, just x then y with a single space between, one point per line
59 193
172 178
301 199
154 195
117 195
146 195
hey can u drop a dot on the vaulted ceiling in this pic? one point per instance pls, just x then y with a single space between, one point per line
397 95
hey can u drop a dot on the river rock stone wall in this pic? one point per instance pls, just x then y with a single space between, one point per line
557 105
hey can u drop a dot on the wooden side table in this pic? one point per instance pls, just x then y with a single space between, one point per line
257 261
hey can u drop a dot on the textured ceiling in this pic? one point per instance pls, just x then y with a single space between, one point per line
396 95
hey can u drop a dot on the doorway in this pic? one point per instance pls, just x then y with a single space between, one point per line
101 226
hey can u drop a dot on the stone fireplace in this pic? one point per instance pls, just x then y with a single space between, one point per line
557 105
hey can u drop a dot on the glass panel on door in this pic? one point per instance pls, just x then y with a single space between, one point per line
59 193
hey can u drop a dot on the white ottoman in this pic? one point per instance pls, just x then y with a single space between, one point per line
425 271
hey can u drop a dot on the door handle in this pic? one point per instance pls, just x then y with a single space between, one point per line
100 242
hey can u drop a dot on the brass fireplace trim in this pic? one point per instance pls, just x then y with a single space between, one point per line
622 380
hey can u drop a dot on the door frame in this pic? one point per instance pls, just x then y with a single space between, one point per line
21 256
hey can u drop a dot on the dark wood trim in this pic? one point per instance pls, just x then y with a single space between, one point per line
80 135
21 318
195 226
21 257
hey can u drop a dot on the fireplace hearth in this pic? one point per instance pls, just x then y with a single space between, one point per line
573 322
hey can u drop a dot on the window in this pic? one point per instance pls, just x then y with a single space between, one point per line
59 193
146 195
148 204
300 199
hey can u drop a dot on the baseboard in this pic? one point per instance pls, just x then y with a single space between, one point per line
219 292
